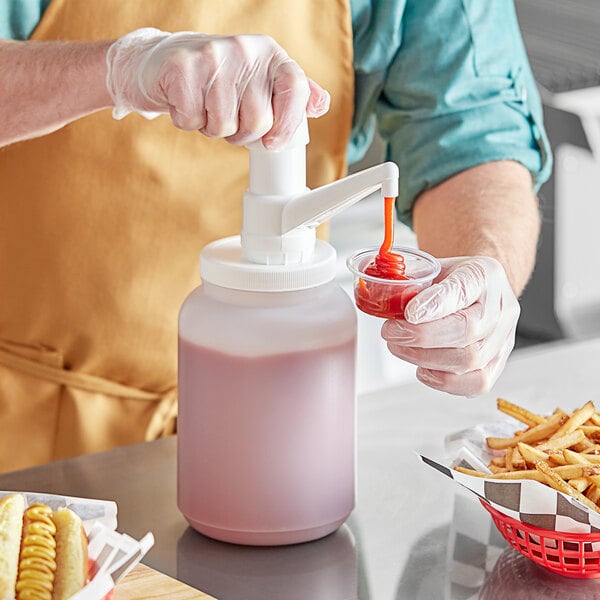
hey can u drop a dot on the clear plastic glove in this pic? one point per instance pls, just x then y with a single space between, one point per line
461 330
242 88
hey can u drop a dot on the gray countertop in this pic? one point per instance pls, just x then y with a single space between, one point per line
413 535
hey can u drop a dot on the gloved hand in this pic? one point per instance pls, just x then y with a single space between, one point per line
460 331
242 88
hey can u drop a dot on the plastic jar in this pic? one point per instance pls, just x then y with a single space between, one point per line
266 426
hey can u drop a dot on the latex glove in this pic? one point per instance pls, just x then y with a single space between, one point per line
242 88
460 331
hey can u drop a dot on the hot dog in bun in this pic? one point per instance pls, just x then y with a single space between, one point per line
43 554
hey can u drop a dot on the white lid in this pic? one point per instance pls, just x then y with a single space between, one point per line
222 264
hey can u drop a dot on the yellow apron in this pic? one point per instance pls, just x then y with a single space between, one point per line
102 223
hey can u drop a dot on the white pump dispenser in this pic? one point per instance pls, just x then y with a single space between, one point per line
267 354
278 249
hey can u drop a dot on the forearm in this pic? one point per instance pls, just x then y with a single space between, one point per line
45 85
488 210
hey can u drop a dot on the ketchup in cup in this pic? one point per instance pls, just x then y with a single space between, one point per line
385 280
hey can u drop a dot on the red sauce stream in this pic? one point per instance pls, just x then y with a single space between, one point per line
385 299
387 264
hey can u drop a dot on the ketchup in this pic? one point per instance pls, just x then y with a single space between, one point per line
387 265
385 300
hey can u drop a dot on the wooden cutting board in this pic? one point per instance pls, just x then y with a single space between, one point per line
144 583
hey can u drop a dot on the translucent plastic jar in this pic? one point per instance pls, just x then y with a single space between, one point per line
266 428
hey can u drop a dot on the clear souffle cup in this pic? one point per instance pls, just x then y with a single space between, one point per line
387 298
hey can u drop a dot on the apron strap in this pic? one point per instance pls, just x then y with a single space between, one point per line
62 376
164 417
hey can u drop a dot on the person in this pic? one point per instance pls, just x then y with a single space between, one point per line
103 216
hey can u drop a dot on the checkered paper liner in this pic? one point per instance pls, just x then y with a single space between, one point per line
480 564
113 554
474 547
527 501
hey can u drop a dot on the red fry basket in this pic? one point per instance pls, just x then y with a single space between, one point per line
569 554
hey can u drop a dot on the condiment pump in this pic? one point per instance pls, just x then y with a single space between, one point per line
267 346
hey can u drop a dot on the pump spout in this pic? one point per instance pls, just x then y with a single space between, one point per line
280 213
316 206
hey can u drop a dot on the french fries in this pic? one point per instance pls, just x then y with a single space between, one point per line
561 450
519 413
565 472
553 479
542 431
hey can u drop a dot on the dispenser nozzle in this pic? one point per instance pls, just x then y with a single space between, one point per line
319 205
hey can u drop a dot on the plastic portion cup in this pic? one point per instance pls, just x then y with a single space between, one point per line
387 298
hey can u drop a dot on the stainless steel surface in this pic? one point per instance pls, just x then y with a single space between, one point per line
410 535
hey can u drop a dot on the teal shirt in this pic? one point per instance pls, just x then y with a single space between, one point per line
446 83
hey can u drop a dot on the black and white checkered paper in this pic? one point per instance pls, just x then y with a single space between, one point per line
527 501
474 546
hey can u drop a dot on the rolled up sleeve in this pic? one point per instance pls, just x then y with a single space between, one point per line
459 92
19 18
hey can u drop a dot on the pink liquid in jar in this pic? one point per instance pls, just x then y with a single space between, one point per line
266 443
